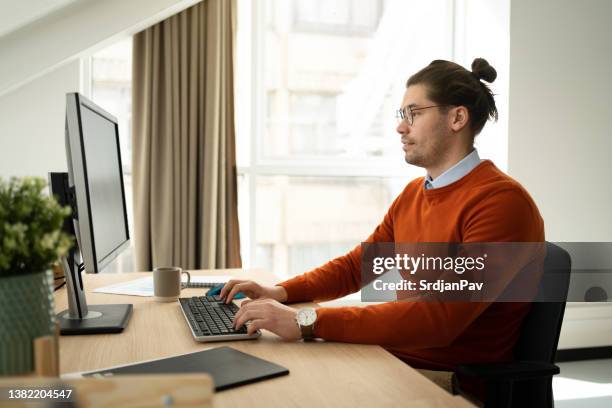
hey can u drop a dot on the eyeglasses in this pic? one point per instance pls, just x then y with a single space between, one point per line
407 113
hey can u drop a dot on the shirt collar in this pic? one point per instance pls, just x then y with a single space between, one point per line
458 171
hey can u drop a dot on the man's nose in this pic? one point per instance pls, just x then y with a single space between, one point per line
403 128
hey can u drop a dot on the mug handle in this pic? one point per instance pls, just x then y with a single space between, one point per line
184 285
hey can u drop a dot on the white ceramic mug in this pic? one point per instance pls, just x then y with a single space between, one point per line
167 283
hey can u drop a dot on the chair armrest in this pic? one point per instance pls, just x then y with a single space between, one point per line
511 371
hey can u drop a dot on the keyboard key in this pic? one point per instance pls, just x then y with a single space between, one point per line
210 316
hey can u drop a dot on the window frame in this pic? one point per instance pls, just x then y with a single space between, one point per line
257 165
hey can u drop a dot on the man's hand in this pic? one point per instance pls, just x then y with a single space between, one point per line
252 290
270 315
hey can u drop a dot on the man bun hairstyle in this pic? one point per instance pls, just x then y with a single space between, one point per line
482 70
448 83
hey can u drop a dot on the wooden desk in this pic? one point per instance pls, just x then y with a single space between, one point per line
322 374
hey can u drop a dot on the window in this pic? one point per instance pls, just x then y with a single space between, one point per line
343 17
304 221
312 124
317 83
111 88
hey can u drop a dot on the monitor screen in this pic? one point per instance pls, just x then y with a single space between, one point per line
104 182
95 174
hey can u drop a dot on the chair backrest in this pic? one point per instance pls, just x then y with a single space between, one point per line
540 331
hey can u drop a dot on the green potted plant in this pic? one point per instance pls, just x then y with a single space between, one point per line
31 240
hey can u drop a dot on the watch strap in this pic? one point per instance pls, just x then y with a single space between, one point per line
307 332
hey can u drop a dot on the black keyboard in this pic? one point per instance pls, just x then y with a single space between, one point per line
198 285
210 319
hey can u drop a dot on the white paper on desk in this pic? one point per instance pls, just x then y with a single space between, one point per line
144 286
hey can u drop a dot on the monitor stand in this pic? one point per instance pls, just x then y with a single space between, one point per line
81 318
99 319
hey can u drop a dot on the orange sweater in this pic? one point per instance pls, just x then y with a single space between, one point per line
484 206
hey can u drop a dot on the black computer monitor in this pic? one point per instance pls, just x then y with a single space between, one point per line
93 187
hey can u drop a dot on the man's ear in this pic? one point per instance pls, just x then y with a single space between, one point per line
459 118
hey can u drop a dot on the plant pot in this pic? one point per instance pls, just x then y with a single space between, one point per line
27 311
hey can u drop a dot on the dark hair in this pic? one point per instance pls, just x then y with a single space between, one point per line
448 83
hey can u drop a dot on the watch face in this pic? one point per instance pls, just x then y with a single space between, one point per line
306 317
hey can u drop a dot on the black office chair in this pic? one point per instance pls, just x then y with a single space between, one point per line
527 381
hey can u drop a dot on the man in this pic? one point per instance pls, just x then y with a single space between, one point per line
462 199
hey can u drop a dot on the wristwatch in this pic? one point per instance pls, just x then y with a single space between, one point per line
305 319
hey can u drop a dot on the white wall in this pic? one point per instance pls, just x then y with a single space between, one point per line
32 124
39 64
81 27
560 131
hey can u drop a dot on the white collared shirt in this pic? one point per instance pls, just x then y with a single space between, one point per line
458 171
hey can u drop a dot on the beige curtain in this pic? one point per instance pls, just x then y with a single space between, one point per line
183 141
